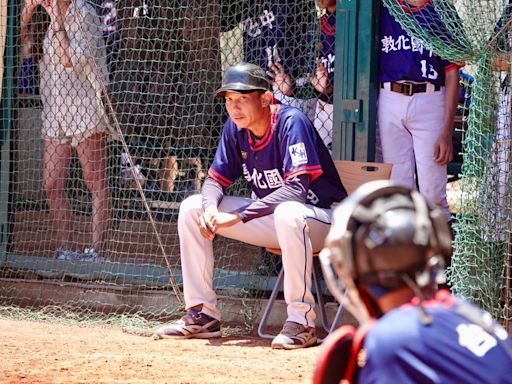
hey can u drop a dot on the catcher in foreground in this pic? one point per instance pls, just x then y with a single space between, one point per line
383 259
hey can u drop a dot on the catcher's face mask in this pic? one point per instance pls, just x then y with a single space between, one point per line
380 233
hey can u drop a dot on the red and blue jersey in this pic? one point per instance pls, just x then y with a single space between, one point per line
327 52
280 31
403 57
290 147
400 348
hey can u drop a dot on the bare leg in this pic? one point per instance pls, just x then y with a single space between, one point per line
93 158
170 172
56 172
200 173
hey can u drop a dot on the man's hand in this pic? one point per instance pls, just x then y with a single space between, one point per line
212 220
206 223
29 7
443 149
281 80
321 79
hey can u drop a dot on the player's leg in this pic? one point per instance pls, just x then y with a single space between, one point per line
202 318
395 138
426 124
57 157
92 153
197 252
301 229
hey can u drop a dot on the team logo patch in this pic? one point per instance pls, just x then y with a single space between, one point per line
298 154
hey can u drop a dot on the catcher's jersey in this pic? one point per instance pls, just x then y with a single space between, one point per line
271 32
289 148
327 52
403 57
452 349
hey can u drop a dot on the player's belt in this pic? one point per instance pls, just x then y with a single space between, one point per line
410 89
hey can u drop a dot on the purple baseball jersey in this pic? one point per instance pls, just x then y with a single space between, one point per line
107 11
279 31
327 52
403 57
451 349
290 147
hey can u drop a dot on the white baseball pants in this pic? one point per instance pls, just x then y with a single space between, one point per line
294 227
409 128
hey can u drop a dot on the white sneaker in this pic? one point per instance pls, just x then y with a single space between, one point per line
294 336
66 254
90 255
194 325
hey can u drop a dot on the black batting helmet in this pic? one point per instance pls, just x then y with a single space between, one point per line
243 77
381 232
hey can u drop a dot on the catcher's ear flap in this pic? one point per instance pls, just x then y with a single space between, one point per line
334 357
442 233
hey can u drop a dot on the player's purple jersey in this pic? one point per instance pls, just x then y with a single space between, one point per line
279 31
504 40
327 49
403 57
106 9
451 349
289 148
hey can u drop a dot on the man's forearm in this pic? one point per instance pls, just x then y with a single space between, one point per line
451 98
293 190
212 193
26 15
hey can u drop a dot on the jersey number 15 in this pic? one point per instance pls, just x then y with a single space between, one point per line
432 73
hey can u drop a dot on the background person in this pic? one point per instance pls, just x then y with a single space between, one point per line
323 79
73 72
277 150
416 106
277 36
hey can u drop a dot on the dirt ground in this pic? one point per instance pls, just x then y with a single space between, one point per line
40 352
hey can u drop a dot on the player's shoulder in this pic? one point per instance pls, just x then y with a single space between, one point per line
289 112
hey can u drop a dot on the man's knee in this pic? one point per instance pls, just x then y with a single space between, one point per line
289 214
190 204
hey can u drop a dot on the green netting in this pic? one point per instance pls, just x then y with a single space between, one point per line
162 60
149 69
478 34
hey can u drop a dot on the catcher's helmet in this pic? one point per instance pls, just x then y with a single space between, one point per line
381 232
243 77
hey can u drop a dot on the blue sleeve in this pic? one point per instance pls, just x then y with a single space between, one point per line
292 190
212 193
227 164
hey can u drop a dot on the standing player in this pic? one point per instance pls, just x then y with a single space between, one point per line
323 79
387 248
417 104
277 150
277 36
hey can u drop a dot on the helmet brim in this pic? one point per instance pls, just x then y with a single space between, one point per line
237 87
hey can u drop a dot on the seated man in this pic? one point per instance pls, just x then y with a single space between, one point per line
278 151
384 257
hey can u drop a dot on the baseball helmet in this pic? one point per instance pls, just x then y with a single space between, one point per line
243 77
382 232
